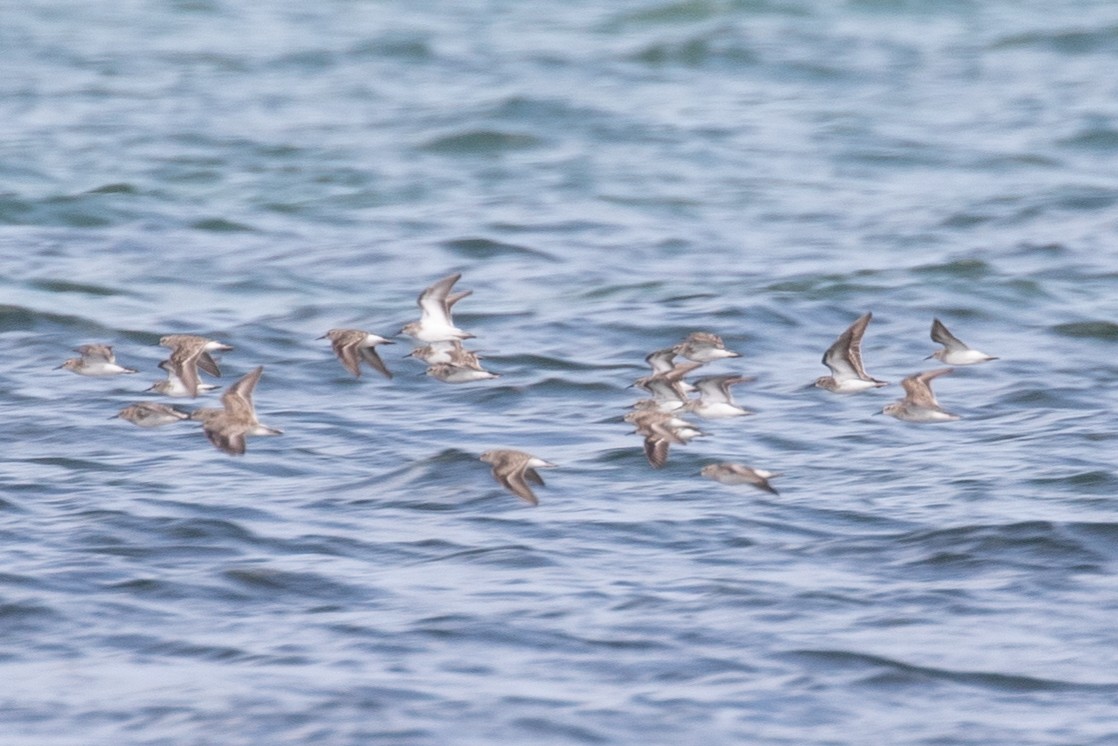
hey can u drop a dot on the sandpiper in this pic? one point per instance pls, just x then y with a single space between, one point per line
954 351
919 403
703 347
227 427
354 345
715 400
844 358
660 431
96 360
190 352
451 373
452 353
513 470
738 474
647 419
151 414
663 362
436 352
174 386
666 387
435 323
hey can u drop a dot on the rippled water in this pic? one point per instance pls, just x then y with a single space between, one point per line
608 178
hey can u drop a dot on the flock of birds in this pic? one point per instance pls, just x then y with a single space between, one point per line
659 419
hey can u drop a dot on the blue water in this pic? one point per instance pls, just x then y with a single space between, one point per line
608 177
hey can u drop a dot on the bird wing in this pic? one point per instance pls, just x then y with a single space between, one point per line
207 363
183 367
763 483
370 356
514 482
454 298
662 389
918 387
232 443
717 388
97 352
433 304
756 477
237 399
661 360
656 450
844 357
347 352
946 338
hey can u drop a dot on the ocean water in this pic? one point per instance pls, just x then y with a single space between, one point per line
608 177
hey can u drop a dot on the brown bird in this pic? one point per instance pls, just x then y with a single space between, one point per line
514 469
227 427
189 352
739 474
919 403
955 351
844 358
660 431
354 345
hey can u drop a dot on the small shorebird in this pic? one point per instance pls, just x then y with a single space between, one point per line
174 386
660 431
667 388
151 414
739 474
844 358
919 403
435 323
513 470
436 352
715 401
227 427
189 352
703 347
354 345
663 363
954 351
95 360
451 353
450 373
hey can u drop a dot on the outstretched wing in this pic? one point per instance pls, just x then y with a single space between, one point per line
514 483
946 338
370 356
918 387
433 302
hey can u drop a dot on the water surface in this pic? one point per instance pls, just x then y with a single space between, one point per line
607 178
